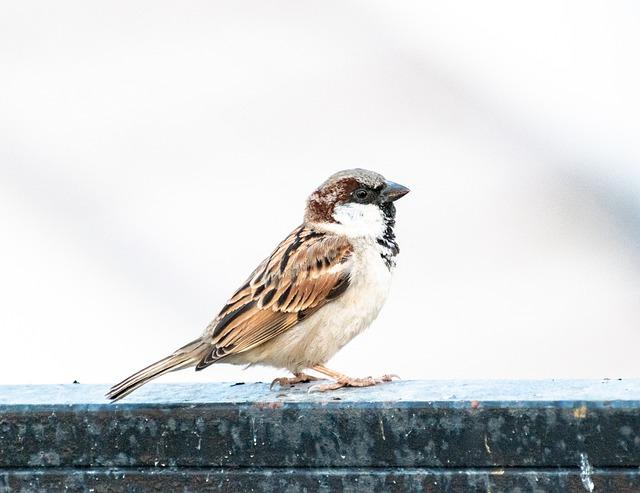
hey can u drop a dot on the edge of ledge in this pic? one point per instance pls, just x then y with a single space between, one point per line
449 393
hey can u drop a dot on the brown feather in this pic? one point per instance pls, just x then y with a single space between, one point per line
299 275
184 357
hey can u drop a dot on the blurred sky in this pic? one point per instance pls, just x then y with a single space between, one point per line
152 153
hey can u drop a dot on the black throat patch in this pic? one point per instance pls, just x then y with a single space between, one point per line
387 241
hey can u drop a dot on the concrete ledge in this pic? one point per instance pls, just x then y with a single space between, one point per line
422 436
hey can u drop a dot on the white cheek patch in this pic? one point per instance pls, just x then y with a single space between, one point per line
358 220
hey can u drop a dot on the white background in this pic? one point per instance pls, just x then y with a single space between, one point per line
152 153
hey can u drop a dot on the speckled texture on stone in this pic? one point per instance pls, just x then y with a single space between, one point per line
324 480
415 433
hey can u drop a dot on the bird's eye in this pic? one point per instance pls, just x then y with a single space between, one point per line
361 193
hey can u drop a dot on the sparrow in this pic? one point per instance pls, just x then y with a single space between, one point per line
321 287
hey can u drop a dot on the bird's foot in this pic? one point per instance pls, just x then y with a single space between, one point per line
298 378
345 381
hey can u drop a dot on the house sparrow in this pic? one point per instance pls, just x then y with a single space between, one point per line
322 286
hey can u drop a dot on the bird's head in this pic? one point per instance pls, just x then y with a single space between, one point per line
354 203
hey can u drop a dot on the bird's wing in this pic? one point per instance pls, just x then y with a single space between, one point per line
306 271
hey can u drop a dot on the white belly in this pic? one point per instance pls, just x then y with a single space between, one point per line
324 333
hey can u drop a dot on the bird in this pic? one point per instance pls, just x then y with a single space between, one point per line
322 286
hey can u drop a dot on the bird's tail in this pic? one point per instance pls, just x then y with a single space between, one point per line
184 357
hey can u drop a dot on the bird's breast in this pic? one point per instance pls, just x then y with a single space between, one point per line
315 340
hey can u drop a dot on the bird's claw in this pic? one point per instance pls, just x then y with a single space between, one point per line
299 378
389 377
352 382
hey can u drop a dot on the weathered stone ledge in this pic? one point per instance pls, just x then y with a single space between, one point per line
403 436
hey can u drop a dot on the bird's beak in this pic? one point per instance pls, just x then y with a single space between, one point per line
393 191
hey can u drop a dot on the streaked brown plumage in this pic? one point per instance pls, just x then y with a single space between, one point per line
285 306
297 279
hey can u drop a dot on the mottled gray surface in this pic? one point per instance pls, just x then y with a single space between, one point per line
426 435
448 392
320 480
